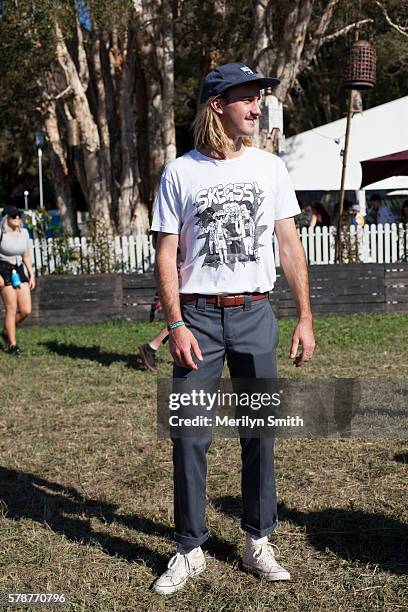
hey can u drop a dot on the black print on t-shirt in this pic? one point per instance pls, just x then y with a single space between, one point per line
229 218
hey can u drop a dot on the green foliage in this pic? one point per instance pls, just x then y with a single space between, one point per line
58 251
26 50
351 245
37 222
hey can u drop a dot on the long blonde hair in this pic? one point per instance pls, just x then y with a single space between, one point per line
209 131
4 226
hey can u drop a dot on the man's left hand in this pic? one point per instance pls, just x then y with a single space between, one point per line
304 335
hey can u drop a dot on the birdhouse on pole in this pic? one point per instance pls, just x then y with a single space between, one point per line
359 75
360 66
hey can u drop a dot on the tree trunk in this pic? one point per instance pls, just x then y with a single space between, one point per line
102 114
261 61
167 73
287 62
155 48
98 184
59 170
57 155
260 54
132 212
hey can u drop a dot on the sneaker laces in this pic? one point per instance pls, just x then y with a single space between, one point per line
267 550
174 561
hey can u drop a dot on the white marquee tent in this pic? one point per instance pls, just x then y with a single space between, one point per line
314 160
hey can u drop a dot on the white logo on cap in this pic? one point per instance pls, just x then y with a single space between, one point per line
246 70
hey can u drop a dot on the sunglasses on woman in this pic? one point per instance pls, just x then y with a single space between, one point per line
15 215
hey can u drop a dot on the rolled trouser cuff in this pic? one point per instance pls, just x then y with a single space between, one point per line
258 533
190 542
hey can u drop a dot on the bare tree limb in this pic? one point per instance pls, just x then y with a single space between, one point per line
400 29
82 59
317 37
346 29
64 93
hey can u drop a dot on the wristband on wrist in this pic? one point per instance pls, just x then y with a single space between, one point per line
174 325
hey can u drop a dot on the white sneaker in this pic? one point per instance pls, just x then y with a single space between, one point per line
260 560
181 567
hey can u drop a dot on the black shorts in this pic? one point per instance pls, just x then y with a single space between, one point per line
7 268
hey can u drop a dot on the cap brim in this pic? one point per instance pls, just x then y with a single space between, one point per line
263 82
266 82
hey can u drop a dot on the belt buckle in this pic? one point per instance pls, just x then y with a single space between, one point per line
218 300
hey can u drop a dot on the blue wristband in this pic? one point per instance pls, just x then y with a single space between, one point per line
174 325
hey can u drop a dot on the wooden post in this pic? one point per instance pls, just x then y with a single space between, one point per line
339 254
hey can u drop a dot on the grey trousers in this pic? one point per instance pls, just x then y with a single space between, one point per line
247 336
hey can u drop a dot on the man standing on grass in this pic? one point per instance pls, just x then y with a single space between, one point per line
222 307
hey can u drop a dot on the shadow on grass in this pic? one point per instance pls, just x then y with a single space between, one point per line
401 457
66 511
93 353
351 534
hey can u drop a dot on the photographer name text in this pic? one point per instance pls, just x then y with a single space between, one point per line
226 421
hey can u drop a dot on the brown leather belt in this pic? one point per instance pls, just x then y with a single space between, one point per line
223 301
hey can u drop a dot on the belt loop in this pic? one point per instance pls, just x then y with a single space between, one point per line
247 302
201 303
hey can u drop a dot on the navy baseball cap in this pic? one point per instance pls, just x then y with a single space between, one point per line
228 75
10 210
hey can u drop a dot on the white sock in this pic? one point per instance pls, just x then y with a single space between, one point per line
253 541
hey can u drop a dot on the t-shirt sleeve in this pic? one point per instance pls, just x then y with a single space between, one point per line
167 208
27 240
286 201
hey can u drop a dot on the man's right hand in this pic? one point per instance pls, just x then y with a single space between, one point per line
2 283
182 343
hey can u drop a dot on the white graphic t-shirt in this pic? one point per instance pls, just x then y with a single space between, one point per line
225 213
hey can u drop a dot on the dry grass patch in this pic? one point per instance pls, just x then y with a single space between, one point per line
86 489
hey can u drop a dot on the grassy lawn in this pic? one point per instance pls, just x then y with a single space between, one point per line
86 489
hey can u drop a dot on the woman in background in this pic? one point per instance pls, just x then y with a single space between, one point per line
14 254
320 217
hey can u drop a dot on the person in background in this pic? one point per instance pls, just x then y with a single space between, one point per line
372 213
402 238
320 216
355 217
15 285
148 351
347 204
404 212
303 220
379 213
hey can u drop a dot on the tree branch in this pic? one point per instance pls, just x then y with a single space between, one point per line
64 93
82 59
400 29
317 37
346 29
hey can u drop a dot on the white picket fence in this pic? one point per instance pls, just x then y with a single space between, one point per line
372 244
